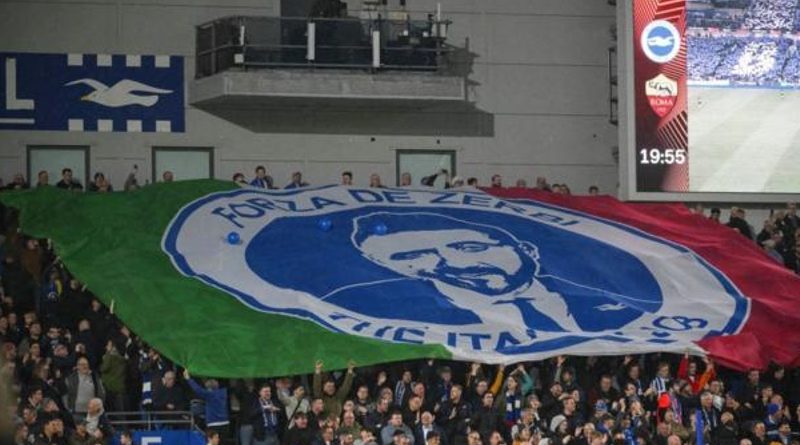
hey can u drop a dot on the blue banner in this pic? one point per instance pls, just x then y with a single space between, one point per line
699 427
165 437
91 92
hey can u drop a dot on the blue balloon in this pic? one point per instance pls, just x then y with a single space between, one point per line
380 229
325 224
233 238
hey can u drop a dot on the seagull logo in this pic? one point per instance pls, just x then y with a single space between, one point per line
662 42
122 94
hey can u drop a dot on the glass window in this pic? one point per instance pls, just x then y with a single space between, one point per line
424 163
54 158
184 163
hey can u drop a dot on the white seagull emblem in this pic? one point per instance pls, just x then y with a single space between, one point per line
122 94
661 42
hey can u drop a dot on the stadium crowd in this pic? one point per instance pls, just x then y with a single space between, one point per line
70 361
753 45
753 15
762 61
771 15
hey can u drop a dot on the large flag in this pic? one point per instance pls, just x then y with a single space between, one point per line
236 282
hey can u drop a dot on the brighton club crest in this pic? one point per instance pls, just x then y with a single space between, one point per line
661 92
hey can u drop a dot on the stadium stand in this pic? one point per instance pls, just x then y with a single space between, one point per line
751 46
74 367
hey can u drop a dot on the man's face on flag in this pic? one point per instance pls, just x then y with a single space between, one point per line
489 262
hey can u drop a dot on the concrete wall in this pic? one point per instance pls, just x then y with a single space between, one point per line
539 72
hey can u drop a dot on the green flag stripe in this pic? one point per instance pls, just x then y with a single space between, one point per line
111 243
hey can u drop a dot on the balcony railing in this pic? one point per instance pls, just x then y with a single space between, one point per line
345 43
151 420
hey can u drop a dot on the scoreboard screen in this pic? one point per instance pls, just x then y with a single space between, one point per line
712 96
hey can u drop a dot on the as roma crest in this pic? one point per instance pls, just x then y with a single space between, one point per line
661 92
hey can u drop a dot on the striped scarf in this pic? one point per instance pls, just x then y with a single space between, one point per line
659 384
269 416
513 408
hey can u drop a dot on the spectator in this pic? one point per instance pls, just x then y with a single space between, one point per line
349 425
51 434
377 419
715 215
425 428
332 398
405 179
487 418
472 182
97 424
19 183
517 386
687 370
454 416
363 404
244 393
82 386
212 437
316 416
738 222
395 426
100 184
262 180
541 184
238 179
216 402
758 433
296 402
168 396
347 178
327 437
167 176
266 418
114 370
67 182
43 179
297 181
594 190
497 181
521 183
299 433
126 438
131 183
375 181
412 412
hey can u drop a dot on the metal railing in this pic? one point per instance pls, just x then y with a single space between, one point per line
152 420
346 43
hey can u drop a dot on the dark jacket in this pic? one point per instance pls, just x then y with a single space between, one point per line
486 420
71 395
420 440
296 436
456 427
175 396
725 435
258 413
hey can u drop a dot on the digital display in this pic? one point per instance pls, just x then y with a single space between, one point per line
716 96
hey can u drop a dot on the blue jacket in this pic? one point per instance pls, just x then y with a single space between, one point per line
216 403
